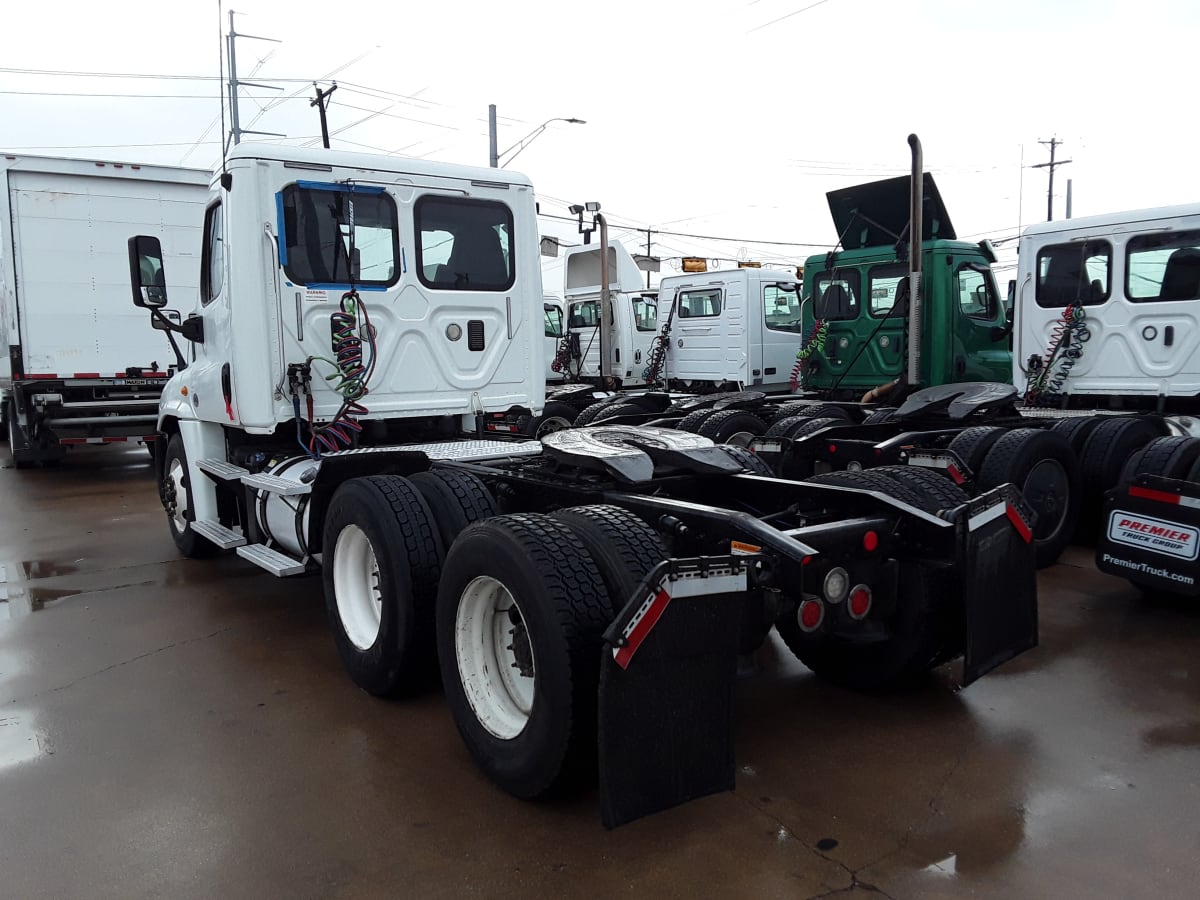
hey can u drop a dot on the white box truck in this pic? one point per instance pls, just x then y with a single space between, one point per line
80 367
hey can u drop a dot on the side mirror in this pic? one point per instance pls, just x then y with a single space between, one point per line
165 320
146 274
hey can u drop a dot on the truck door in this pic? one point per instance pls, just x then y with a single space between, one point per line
644 315
782 331
979 346
709 331
583 322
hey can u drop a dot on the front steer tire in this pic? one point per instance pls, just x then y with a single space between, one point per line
381 562
530 738
177 500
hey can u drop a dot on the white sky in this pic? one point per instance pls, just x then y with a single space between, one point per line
729 119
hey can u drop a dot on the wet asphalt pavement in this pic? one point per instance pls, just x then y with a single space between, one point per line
171 728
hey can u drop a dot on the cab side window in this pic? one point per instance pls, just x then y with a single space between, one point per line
553 321
976 294
1079 273
212 257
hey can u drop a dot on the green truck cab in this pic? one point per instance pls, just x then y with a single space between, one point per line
856 313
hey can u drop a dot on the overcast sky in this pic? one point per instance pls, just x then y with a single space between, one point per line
728 119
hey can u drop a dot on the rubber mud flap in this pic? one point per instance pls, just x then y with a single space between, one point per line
999 582
666 717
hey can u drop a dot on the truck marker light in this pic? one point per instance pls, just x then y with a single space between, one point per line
742 548
833 448
810 615
837 582
870 541
955 473
860 602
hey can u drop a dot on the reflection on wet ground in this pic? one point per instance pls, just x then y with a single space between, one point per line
183 728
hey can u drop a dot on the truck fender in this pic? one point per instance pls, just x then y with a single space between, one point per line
202 440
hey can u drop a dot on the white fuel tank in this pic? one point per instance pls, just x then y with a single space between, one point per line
284 518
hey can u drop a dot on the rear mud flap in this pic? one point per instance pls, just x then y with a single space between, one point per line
667 690
1151 534
999 581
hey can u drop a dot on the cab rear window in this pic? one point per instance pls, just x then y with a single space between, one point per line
835 295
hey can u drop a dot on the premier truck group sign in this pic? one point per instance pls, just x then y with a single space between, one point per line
1152 534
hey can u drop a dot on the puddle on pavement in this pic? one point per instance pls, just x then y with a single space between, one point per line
19 741
17 600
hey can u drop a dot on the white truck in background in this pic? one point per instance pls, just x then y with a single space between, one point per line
733 327
80 367
634 314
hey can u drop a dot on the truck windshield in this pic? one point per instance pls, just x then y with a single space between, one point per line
781 307
316 235
464 245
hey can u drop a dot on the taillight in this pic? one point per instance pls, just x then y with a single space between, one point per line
837 583
810 615
859 602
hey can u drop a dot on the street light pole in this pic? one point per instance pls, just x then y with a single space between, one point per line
515 149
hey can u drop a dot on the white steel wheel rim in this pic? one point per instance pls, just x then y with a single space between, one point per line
356 587
180 504
500 695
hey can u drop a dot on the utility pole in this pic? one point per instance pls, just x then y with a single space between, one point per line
1052 144
235 129
321 101
647 256
493 156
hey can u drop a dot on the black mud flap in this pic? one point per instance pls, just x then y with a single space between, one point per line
1151 534
999 582
666 689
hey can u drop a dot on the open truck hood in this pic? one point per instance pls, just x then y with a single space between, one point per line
876 214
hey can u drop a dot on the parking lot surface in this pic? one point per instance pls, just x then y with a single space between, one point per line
182 728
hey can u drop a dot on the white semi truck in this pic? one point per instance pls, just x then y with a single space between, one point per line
80 366
366 331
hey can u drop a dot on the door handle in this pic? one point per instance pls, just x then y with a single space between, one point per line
1169 335
696 328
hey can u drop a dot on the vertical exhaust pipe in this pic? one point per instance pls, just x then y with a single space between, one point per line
916 228
606 317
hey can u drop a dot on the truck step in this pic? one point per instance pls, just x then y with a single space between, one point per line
225 538
272 560
272 484
218 468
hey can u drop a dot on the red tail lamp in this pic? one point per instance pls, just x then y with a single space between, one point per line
870 541
810 615
858 604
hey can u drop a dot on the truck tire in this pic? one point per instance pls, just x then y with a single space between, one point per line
880 481
918 639
1108 447
1045 470
612 410
1168 457
177 500
788 408
693 420
938 487
1076 430
555 416
881 416
455 500
796 427
524 697
588 413
722 425
381 558
825 411
751 462
623 547
972 445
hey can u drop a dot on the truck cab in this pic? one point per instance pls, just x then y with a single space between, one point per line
634 313
735 326
554 312
1106 311
855 295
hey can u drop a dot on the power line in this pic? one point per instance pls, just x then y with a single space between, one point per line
788 16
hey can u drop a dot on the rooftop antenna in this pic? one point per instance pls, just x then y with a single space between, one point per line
235 129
